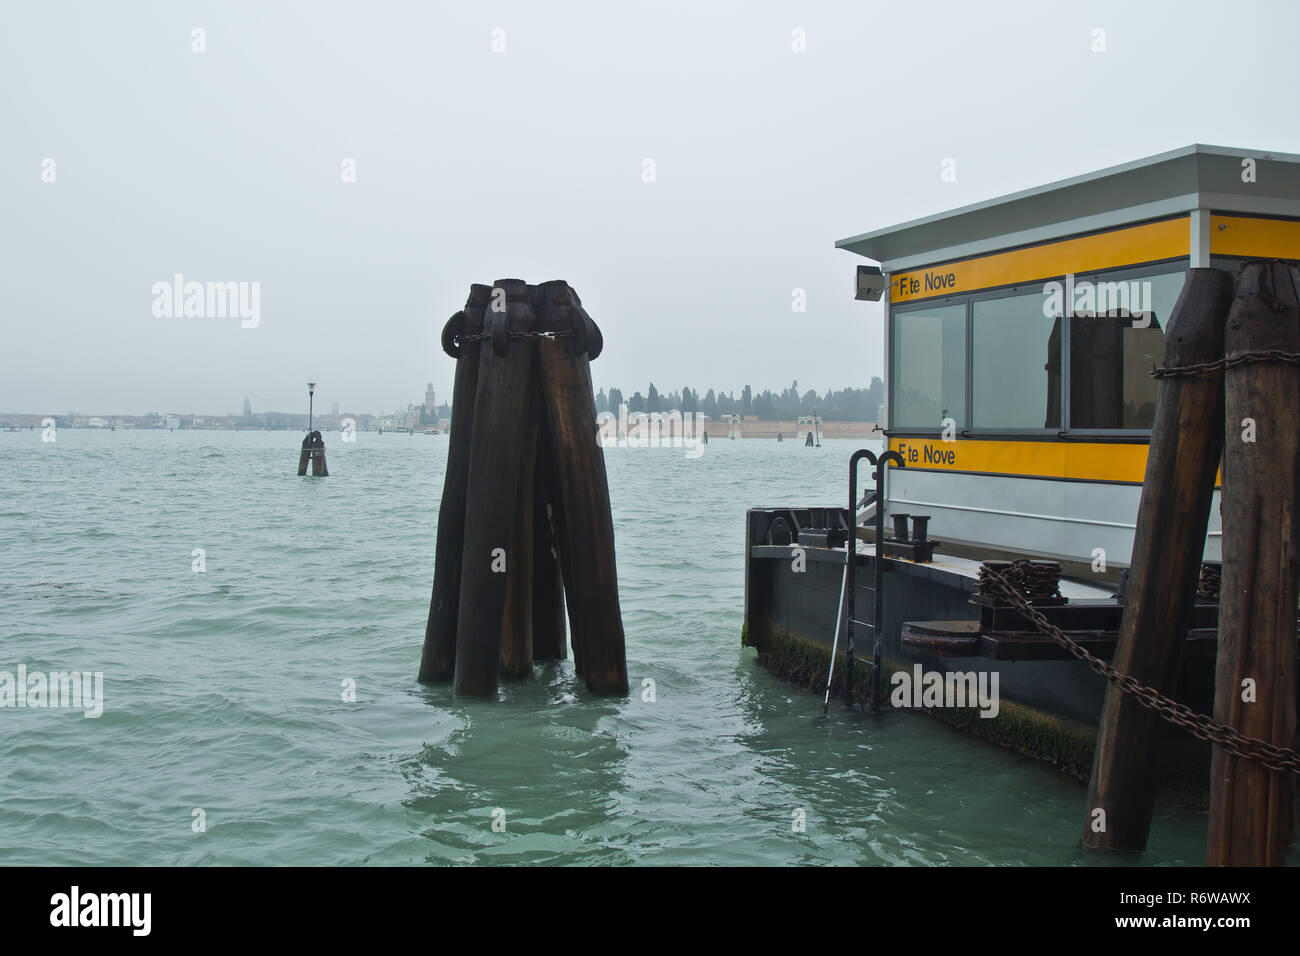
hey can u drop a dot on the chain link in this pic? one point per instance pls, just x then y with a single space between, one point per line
1200 726
524 334
1245 358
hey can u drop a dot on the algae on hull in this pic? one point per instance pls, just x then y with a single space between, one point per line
1064 744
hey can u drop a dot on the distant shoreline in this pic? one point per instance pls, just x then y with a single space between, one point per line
757 428
749 427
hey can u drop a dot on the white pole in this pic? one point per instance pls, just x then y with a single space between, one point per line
839 618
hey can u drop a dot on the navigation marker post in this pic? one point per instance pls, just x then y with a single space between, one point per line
313 446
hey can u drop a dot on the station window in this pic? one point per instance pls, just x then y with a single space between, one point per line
1113 347
1016 362
929 370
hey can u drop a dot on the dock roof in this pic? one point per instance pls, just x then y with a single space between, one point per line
1167 184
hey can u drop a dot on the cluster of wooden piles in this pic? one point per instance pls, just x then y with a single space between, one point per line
1230 391
313 453
524 527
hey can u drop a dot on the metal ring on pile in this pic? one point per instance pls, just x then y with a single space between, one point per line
451 333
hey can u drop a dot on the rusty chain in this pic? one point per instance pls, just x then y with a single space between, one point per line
1200 726
1245 358
523 334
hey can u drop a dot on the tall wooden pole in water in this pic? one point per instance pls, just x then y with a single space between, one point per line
438 660
587 531
1186 443
489 559
563 541
517 625
1251 806
549 632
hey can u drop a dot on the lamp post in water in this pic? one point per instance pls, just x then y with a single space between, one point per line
313 446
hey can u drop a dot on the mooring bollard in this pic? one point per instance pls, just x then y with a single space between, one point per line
1173 515
1251 806
459 340
525 528
313 452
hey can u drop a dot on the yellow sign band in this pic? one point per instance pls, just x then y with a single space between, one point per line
1253 238
1135 245
1079 461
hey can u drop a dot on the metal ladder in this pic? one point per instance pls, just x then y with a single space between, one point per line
880 465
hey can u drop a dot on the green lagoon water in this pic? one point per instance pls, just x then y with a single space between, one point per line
223 689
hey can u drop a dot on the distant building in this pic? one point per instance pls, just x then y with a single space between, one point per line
334 409
248 409
427 414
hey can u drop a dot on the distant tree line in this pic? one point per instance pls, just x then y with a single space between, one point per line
845 405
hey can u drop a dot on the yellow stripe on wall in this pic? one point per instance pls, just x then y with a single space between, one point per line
1254 238
1134 245
1083 461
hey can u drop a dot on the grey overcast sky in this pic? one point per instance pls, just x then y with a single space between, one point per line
473 165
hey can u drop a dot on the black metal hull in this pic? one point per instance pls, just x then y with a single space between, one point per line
1049 708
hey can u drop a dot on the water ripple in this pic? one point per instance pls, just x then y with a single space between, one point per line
225 690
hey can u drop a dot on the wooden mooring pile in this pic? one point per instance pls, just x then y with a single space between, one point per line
313 454
1229 390
525 526
313 446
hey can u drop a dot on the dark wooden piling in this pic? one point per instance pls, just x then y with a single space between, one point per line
562 546
1186 443
495 460
318 466
587 532
549 630
438 660
1250 805
517 624
313 454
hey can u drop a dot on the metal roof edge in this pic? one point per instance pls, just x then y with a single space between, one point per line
1048 232
1183 152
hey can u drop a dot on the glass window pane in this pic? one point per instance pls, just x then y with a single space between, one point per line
1115 341
929 378
1016 363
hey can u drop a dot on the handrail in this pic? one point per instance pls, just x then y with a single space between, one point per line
880 465
879 583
